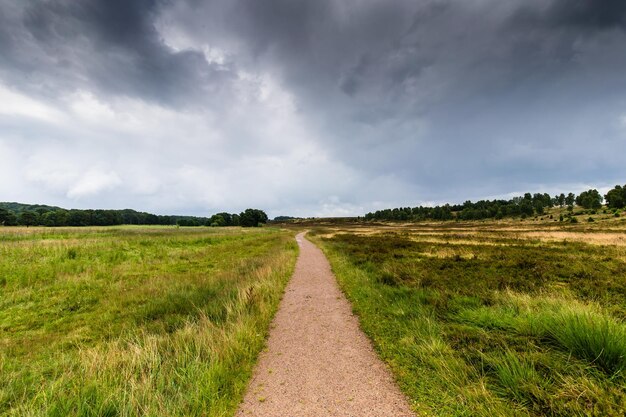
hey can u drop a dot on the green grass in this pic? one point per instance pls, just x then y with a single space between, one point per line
490 324
135 321
595 337
518 378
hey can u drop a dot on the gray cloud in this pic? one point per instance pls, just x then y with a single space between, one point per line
110 46
581 14
476 73
444 99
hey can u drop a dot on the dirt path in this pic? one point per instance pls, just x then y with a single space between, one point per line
318 361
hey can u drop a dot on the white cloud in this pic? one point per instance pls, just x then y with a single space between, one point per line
10 158
124 152
15 104
86 106
93 182
179 40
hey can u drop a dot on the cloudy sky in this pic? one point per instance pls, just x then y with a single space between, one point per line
318 107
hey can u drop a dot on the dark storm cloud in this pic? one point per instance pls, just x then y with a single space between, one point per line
479 77
590 14
381 46
110 46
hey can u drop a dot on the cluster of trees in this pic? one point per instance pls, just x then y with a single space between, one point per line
13 214
247 218
590 199
523 206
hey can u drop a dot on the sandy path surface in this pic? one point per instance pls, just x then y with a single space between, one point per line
318 361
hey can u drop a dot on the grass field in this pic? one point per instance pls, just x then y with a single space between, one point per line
492 319
135 321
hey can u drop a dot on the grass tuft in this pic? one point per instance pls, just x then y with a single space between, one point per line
595 337
518 379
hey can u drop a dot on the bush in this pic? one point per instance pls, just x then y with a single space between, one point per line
590 220
573 220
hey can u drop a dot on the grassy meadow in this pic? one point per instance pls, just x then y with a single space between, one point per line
503 318
135 321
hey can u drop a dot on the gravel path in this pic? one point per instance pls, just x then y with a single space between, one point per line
318 361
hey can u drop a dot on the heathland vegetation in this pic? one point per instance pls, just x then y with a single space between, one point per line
135 320
14 214
524 206
502 318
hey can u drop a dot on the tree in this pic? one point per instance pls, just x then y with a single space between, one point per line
217 220
188 221
542 200
28 218
547 200
4 215
252 217
446 213
526 207
616 198
590 199
11 219
561 199
570 199
78 218
228 218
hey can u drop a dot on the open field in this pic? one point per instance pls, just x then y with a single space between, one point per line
501 318
127 321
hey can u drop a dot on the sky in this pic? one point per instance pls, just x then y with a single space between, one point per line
308 108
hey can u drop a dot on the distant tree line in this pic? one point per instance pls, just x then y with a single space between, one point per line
285 218
523 206
14 214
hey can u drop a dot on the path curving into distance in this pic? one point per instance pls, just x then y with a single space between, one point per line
318 362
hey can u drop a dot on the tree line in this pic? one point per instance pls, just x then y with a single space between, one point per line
16 214
522 206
